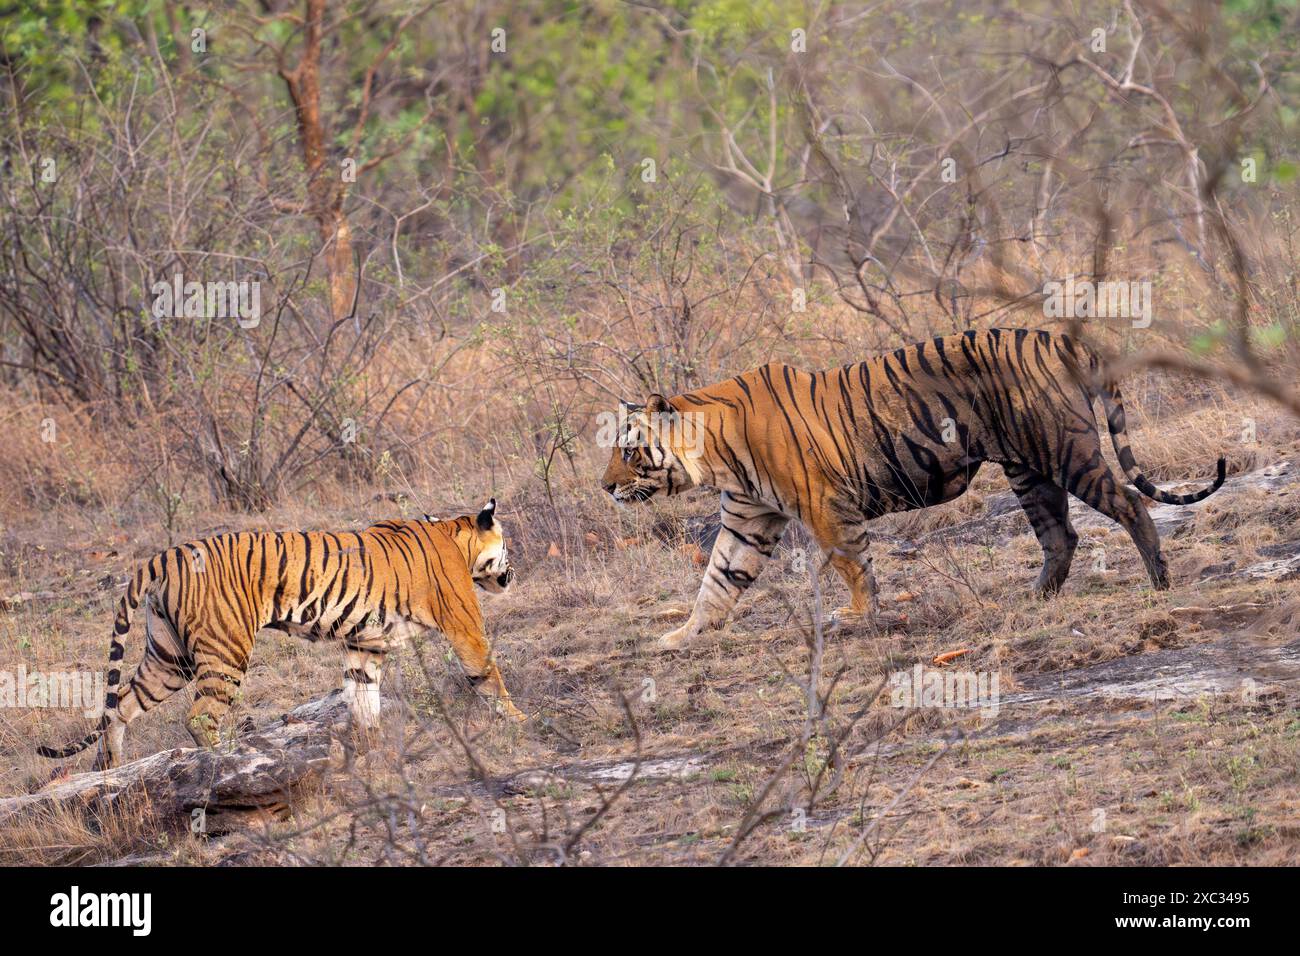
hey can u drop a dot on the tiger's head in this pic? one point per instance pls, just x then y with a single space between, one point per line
489 566
649 454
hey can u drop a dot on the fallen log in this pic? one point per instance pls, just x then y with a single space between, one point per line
252 777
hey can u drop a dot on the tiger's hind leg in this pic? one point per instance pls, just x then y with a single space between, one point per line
1094 484
164 669
219 669
1047 506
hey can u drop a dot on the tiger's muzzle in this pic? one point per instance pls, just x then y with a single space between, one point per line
496 577
637 491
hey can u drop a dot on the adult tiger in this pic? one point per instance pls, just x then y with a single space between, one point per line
904 430
371 590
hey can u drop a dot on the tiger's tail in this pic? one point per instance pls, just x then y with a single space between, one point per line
1113 401
145 575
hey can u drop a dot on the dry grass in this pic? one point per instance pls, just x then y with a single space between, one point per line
1203 780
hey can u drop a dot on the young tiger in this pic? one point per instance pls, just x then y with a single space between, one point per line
205 601
905 430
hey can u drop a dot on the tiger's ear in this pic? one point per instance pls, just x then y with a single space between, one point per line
656 404
485 517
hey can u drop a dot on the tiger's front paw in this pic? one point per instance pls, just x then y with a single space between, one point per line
505 708
673 640
847 617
